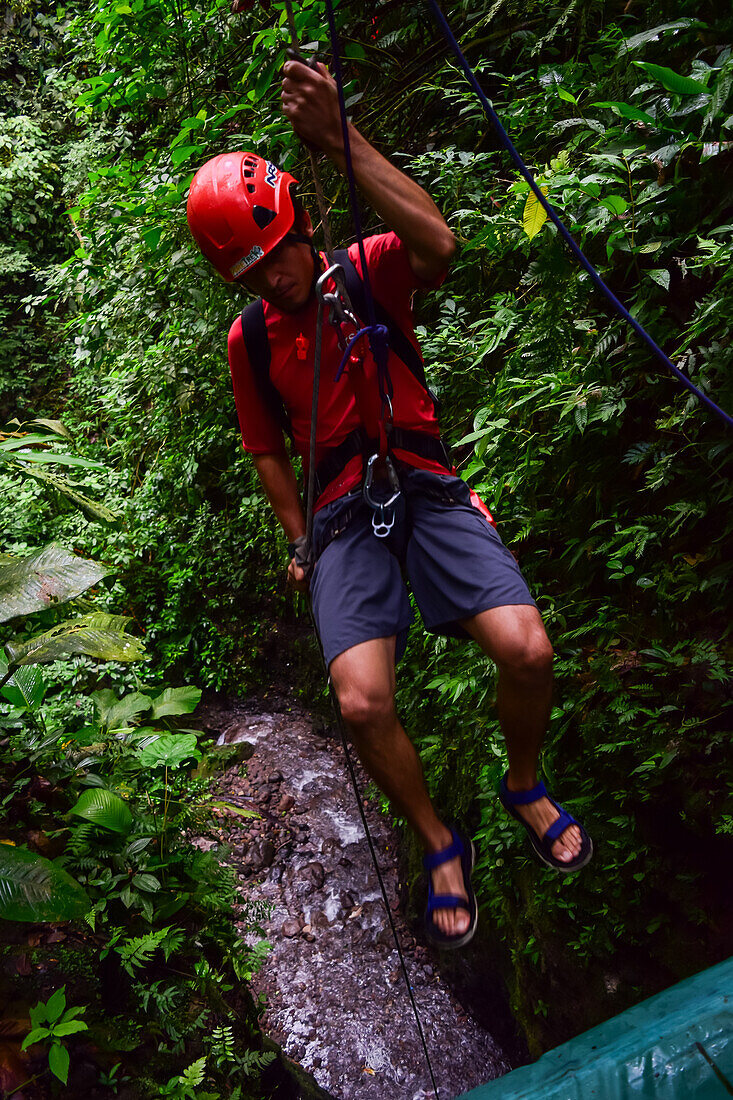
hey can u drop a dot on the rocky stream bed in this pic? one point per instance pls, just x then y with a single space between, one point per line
335 994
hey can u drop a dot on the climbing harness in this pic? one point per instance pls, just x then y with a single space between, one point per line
580 256
361 441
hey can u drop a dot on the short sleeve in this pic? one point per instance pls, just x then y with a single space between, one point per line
390 271
261 434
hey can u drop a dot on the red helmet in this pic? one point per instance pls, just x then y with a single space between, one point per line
239 207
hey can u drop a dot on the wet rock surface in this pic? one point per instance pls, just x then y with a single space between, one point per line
335 993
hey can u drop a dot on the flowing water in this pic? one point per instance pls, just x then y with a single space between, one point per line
336 996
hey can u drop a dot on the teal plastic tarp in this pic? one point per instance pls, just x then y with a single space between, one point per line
675 1046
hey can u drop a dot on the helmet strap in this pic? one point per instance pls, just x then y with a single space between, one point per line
316 267
299 238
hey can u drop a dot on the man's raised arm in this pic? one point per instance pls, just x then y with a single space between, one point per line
310 102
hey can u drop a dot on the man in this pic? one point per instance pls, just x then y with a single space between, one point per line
245 219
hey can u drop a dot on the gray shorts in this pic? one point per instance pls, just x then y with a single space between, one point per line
454 559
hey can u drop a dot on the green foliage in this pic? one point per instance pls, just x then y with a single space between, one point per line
36 889
137 952
101 807
97 635
169 751
613 486
52 1022
27 455
50 576
119 802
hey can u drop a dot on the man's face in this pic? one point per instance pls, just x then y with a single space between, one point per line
284 276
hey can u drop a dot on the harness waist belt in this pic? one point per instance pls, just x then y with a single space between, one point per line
334 462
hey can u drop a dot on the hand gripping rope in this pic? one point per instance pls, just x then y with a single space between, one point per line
341 316
580 256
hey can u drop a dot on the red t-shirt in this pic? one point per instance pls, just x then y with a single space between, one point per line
393 282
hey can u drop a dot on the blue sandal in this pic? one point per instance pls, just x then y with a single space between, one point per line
464 849
542 845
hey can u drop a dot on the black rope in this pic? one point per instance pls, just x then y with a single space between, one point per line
310 496
355 784
334 699
379 351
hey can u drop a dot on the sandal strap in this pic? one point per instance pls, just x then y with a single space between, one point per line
558 827
447 901
436 859
523 798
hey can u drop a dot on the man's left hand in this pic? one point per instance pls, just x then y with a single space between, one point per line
298 577
310 103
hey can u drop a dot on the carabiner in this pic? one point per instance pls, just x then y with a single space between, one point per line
382 523
338 315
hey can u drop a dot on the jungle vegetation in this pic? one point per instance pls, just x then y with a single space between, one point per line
123 482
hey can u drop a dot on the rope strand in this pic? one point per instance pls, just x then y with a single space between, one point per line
377 340
365 824
377 343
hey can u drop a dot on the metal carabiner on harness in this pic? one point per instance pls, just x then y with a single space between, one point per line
384 513
339 315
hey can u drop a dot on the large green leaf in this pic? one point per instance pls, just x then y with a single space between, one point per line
25 688
97 635
672 81
170 750
90 508
58 1062
113 713
56 426
654 33
104 808
55 1005
62 459
35 889
626 110
18 442
616 204
48 576
180 700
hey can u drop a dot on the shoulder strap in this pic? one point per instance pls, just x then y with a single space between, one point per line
398 341
254 331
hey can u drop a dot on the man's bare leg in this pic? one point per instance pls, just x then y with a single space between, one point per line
515 639
364 680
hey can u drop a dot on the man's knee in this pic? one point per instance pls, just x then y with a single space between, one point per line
528 658
365 707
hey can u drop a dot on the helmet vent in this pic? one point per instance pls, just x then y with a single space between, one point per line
262 216
251 188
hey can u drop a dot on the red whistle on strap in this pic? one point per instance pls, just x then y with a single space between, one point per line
301 346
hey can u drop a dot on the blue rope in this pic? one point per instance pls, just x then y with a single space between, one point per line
378 342
582 259
380 331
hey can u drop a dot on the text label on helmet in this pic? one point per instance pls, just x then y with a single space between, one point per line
271 173
255 253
